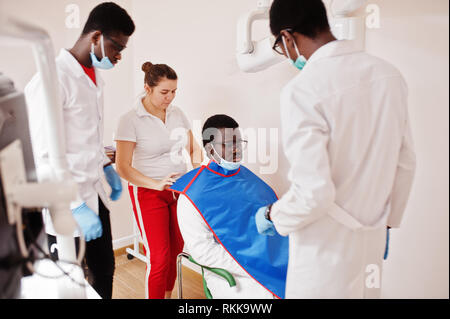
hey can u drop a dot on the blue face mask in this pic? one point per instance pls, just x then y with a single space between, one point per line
229 166
300 62
105 63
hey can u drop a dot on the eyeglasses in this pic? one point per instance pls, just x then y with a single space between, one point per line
119 47
242 144
276 45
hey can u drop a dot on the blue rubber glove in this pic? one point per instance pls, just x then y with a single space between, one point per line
264 226
89 222
114 181
386 250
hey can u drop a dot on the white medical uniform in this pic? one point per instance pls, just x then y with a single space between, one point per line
200 243
82 103
346 134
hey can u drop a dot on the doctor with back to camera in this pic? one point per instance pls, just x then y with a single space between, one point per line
103 38
346 134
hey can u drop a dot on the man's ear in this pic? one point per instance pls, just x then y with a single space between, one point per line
287 36
95 37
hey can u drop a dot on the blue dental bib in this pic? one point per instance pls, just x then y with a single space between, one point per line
228 201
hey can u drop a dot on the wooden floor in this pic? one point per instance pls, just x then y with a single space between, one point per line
129 281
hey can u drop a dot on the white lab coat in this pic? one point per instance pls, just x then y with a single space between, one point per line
346 135
82 103
200 243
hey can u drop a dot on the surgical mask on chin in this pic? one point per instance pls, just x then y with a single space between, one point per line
229 166
300 62
105 63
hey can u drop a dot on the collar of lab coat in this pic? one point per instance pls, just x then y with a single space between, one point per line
334 48
141 111
75 68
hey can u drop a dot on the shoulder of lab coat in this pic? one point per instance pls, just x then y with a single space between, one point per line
70 71
199 239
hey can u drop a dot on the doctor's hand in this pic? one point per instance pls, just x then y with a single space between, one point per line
88 221
167 181
264 226
114 181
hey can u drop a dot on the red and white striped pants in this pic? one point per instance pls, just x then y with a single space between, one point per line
156 215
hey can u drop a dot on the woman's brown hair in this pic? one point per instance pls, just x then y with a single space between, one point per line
154 73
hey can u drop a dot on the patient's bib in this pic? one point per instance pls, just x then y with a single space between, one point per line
228 201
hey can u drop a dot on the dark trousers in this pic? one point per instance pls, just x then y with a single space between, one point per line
98 262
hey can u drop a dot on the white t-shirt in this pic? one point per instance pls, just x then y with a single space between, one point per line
159 147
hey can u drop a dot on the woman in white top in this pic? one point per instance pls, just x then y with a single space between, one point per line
151 140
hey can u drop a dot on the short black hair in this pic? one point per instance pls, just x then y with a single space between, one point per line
308 17
109 18
216 122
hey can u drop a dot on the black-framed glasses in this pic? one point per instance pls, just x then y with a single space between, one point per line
277 44
119 47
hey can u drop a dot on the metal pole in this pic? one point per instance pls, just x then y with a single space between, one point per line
180 273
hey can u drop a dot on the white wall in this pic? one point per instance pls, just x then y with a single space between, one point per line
414 37
197 38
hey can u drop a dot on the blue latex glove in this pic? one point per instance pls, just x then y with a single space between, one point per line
114 181
264 226
386 250
89 222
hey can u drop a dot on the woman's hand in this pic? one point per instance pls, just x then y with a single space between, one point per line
166 182
125 169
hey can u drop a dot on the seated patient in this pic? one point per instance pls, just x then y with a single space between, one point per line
216 218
